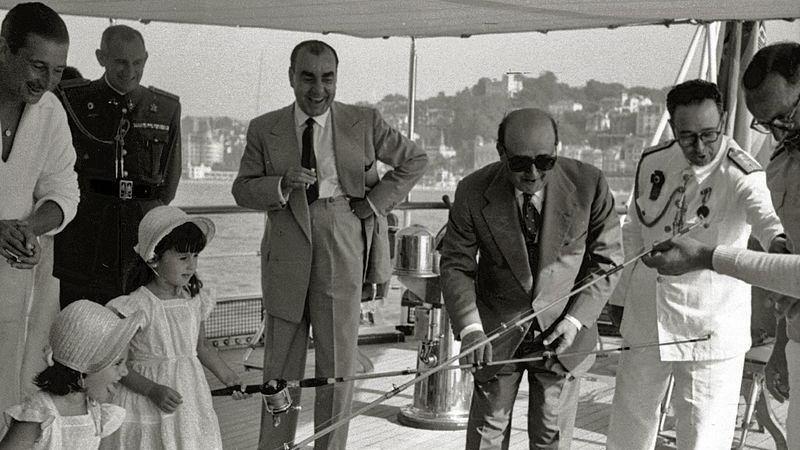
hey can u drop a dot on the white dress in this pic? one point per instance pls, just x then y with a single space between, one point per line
65 432
39 169
165 351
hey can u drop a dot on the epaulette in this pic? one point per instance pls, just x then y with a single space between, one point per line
73 83
158 91
657 148
743 160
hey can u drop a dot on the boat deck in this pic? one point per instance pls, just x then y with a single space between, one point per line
379 428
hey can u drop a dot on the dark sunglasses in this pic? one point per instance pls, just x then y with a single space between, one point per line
519 163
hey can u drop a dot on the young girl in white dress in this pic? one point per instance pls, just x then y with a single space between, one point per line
88 345
165 393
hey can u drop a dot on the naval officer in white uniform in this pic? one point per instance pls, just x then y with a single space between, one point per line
701 170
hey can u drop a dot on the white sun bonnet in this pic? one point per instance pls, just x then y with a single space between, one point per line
159 222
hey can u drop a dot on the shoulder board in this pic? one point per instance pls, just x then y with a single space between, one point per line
73 83
158 91
657 148
743 160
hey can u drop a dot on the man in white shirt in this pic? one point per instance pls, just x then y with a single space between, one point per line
700 173
522 233
38 188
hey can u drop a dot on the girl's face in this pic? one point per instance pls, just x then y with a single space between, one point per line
176 268
100 385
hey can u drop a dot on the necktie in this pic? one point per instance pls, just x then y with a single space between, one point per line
531 218
309 160
531 221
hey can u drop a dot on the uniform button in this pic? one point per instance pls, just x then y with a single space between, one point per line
124 173
124 152
85 156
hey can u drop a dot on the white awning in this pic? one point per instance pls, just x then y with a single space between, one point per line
427 18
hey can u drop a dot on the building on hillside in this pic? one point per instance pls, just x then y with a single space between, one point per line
648 118
564 106
597 122
509 86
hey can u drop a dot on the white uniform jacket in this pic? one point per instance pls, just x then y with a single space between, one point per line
667 308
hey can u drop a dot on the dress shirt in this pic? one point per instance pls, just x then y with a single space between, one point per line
327 175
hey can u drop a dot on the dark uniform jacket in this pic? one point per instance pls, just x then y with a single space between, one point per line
128 161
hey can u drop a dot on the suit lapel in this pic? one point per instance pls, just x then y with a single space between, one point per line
502 219
348 142
284 153
559 205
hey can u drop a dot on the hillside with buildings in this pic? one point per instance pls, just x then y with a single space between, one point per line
605 124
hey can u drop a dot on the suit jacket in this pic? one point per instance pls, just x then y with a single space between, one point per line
484 265
360 137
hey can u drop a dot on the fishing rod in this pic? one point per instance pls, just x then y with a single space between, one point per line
271 386
702 213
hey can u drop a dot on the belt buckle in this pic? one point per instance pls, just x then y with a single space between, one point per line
125 189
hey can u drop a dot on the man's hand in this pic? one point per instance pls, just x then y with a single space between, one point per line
361 208
482 354
297 178
166 398
564 332
18 244
777 376
679 255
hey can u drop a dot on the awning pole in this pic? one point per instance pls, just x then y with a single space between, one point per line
687 61
412 103
733 78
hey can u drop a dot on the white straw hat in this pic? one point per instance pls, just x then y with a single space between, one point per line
159 222
88 337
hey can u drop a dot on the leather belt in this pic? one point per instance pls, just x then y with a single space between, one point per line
122 189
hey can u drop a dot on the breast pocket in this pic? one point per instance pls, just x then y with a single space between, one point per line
151 156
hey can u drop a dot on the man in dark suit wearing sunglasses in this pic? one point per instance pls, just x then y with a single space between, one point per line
522 233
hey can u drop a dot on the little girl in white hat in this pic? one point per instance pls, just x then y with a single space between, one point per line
166 394
88 346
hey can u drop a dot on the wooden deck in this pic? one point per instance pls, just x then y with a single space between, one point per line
379 428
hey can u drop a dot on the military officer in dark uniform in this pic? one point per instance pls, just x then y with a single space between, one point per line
127 139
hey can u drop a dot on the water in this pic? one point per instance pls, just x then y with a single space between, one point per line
229 264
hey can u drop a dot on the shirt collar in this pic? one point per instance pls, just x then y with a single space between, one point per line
300 117
537 197
105 78
702 172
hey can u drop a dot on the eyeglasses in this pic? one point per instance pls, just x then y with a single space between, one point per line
521 163
783 122
706 137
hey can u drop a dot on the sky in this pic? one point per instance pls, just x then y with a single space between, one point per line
243 72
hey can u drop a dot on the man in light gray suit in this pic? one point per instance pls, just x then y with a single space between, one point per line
522 233
312 167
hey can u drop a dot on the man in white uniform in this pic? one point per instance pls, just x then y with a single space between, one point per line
38 188
703 173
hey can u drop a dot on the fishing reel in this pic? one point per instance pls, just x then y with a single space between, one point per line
274 393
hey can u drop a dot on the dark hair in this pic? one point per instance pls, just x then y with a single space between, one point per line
315 48
59 379
123 32
501 132
32 18
782 58
70 73
183 238
693 92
